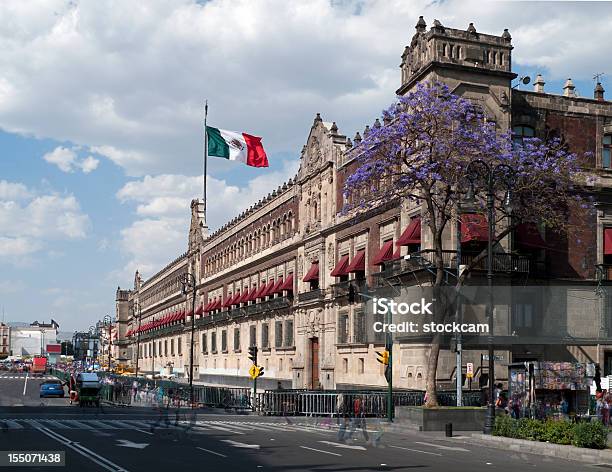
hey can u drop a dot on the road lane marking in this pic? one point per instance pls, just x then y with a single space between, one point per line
78 424
439 446
85 452
415 450
211 452
320 450
25 384
345 446
13 424
241 445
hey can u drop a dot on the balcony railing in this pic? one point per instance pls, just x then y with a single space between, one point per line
342 289
316 294
502 262
603 272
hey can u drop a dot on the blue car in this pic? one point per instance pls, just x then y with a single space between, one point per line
51 388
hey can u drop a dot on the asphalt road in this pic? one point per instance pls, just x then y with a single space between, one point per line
24 390
140 439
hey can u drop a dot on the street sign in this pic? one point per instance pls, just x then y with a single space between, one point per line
496 357
470 370
254 372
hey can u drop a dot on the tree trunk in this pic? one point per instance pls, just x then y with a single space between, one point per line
432 371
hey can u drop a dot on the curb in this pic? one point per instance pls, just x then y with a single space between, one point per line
545 449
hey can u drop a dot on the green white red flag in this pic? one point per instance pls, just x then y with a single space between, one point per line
235 146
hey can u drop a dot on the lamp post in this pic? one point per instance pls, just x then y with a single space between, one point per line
138 336
108 321
91 342
479 172
189 282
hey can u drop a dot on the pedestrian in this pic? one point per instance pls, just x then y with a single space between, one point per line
605 408
599 406
134 389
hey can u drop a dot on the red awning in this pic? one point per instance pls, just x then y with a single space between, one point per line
235 298
412 233
199 310
277 287
216 304
527 234
253 295
288 283
474 228
607 241
268 288
228 300
208 306
245 296
358 262
181 315
259 291
341 266
313 273
397 254
385 254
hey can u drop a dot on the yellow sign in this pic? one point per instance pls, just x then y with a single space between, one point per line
470 370
254 371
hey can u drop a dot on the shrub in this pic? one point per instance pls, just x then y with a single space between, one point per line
593 435
505 426
558 432
530 429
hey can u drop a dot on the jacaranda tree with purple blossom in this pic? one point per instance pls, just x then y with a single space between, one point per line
421 154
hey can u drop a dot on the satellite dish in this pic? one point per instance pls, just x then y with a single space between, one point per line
526 80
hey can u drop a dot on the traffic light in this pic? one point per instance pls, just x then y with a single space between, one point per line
383 357
597 377
253 354
260 371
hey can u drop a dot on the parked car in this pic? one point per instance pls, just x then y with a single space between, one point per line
51 388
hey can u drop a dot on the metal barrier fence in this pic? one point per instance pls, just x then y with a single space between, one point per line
138 391
370 403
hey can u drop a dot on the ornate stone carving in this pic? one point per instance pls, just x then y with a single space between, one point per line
330 255
300 267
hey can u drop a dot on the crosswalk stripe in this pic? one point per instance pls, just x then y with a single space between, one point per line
79 424
217 427
102 425
13 424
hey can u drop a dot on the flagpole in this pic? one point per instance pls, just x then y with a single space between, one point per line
205 157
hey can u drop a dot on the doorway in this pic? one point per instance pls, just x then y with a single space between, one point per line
314 363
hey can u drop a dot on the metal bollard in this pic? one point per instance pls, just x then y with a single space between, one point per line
449 430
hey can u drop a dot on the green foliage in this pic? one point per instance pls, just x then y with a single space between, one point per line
558 432
505 426
530 429
592 435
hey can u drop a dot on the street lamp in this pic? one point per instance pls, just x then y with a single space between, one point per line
108 321
478 171
138 336
189 283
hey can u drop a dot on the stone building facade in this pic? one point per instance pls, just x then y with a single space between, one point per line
291 273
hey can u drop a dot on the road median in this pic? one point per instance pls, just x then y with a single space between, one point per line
544 448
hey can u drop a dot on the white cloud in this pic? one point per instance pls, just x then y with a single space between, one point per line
89 164
128 80
13 191
162 206
62 157
28 221
66 159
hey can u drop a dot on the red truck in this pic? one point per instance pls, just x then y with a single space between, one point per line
39 365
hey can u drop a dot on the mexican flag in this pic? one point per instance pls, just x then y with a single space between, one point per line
236 147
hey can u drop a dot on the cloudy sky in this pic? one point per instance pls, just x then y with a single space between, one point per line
101 109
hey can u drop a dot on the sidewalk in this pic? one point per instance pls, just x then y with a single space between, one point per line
580 454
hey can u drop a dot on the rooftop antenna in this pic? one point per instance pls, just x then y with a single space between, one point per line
597 77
